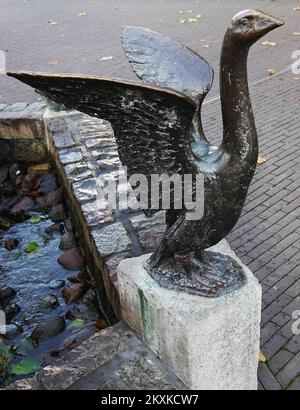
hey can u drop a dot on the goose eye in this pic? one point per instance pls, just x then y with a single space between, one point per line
244 22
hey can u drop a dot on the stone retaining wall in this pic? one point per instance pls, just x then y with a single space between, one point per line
22 133
85 155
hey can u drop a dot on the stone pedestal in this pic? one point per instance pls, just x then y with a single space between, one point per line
211 344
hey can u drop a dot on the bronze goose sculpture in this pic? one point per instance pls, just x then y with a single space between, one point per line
158 131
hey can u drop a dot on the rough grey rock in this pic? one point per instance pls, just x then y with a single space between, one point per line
56 124
67 242
113 358
68 156
111 239
100 142
54 198
106 153
6 292
48 328
97 213
86 190
48 184
48 302
78 171
25 384
57 213
63 139
108 164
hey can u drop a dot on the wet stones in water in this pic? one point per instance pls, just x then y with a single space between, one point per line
48 201
55 228
67 242
12 331
72 293
49 302
48 184
11 244
80 277
56 284
6 292
71 259
11 311
69 225
90 300
86 310
48 328
57 213
25 204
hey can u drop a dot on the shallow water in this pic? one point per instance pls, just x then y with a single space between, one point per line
30 275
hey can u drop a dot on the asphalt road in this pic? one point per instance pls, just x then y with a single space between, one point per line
77 42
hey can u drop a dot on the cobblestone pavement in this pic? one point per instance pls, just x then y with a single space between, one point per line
267 237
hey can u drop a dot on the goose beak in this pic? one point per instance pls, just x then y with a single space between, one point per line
268 23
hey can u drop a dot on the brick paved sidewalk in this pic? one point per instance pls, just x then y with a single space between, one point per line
267 237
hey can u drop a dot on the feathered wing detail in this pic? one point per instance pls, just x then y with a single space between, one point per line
151 124
159 60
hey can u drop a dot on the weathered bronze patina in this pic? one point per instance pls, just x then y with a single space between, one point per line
158 130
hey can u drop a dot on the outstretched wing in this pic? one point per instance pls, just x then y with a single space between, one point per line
157 59
151 124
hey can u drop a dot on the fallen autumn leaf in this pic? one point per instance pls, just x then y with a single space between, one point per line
272 71
269 43
261 160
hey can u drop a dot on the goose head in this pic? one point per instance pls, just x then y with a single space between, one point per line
248 26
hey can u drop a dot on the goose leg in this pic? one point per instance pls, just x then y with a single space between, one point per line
160 254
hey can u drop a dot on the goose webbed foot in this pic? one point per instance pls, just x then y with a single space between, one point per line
204 269
203 273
